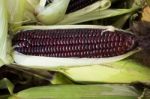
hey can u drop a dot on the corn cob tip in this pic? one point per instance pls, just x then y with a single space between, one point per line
144 42
142 28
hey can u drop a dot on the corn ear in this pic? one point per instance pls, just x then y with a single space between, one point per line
78 92
125 71
51 62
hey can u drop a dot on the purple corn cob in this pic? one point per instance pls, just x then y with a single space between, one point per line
75 5
83 43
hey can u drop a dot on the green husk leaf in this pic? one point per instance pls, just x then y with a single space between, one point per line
94 15
100 14
16 10
125 71
31 4
148 2
6 83
29 11
3 33
100 4
52 13
79 92
29 18
60 79
146 94
121 21
4 96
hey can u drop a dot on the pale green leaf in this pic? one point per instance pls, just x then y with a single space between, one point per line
3 32
16 12
100 14
125 71
60 79
53 12
94 15
79 92
120 22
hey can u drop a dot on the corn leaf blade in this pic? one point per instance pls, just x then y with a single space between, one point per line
125 71
3 32
60 79
54 12
121 21
148 2
94 15
78 92
16 10
5 83
100 14
4 96
146 94
100 4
